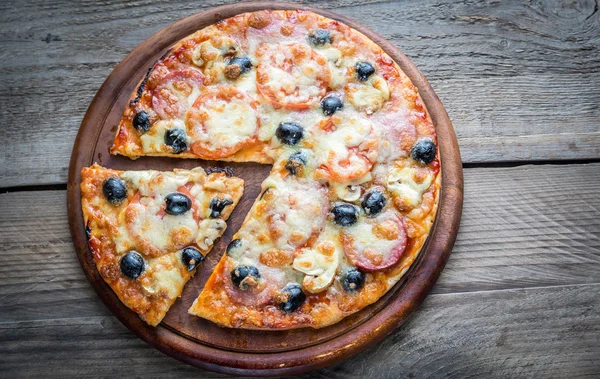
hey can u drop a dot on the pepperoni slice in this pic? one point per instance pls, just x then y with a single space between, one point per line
222 121
375 243
348 149
291 76
171 94
400 133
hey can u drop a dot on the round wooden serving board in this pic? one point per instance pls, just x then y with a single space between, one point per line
243 352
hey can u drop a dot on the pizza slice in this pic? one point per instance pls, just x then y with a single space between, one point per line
310 253
190 105
149 230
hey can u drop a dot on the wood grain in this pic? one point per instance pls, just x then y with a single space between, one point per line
518 298
521 81
495 334
522 227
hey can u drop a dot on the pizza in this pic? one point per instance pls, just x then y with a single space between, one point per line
149 230
355 179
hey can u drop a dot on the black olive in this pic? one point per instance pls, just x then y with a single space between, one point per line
331 104
364 70
245 277
320 37
132 264
141 121
373 203
296 163
88 232
233 246
191 257
352 279
217 205
424 151
291 297
175 138
344 214
289 133
114 190
244 63
177 203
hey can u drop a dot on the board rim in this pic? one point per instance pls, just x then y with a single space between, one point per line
423 273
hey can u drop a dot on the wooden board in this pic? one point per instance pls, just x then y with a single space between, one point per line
518 296
200 342
520 80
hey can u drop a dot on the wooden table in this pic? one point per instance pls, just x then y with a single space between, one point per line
520 295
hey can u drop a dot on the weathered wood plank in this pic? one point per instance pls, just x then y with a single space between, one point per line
521 81
484 38
527 226
547 332
530 226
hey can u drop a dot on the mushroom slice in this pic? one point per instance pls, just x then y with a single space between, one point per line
319 264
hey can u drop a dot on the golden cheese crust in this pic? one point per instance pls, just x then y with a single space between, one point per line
341 124
138 222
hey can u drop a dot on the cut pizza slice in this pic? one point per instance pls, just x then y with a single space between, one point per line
149 230
310 253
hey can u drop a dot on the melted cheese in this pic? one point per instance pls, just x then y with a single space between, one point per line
162 232
298 84
208 231
295 212
210 56
154 139
163 276
370 96
334 147
336 62
270 118
227 122
247 83
146 221
143 219
365 238
350 190
401 182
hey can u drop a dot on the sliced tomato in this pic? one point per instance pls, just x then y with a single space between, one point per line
221 122
358 154
169 97
291 76
355 165
375 244
196 208
138 208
